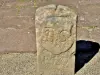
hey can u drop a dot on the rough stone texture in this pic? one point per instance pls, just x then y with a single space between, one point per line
19 15
86 2
55 36
17 31
95 35
89 14
18 64
88 20
88 11
91 68
13 40
82 33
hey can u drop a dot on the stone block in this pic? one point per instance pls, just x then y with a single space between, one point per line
55 40
18 64
89 15
16 22
14 40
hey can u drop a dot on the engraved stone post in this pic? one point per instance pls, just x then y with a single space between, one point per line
55 38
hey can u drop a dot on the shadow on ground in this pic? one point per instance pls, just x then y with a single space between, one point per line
85 51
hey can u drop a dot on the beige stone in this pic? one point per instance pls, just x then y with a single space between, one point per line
17 31
55 38
13 40
18 64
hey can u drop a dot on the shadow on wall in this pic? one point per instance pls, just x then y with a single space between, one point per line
85 51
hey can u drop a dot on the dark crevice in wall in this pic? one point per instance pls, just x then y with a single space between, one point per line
85 51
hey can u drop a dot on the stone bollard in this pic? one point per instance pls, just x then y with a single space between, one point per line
55 39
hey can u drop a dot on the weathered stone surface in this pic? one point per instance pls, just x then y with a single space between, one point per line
83 33
89 15
55 36
17 31
18 64
13 40
16 22
87 2
95 35
73 3
17 7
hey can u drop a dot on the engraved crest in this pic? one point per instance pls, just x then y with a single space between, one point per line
56 40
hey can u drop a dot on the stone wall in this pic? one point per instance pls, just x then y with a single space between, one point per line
17 30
